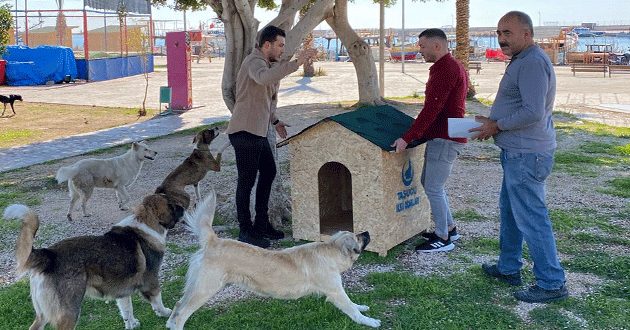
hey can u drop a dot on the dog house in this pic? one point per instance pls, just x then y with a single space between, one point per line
345 177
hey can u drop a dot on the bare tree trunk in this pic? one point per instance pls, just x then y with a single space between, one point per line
360 54
309 68
279 201
240 33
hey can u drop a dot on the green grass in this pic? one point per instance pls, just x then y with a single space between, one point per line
566 222
592 127
459 296
620 187
482 245
11 196
12 135
484 101
462 301
415 95
468 215
465 299
601 264
589 156
185 250
590 238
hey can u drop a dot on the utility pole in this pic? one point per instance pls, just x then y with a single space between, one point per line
381 50
402 49
16 24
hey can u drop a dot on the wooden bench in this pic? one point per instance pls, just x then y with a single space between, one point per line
474 66
618 69
584 67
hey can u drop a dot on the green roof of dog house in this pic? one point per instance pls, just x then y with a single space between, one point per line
381 125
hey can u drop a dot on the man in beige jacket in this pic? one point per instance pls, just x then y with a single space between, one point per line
257 85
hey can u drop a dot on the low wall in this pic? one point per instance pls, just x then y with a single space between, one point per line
111 68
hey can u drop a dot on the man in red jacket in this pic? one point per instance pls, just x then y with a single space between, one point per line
445 98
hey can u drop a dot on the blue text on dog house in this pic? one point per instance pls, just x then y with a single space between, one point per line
407 198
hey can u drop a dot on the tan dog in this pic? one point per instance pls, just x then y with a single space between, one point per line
196 166
116 173
123 261
285 274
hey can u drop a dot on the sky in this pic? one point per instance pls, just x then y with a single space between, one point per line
483 13
365 14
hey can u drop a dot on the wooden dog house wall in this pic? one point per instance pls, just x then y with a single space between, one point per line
344 177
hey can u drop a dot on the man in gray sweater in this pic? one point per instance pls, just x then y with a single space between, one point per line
257 85
520 124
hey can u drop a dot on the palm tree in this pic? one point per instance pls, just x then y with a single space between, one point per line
462 50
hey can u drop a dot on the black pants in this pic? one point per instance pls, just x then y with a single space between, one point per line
253 157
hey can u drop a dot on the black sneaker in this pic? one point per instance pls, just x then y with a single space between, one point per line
267 231
253 238
511 279
452 235
536 294
435 245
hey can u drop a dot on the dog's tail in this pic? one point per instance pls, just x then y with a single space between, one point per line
30 224
200 220
66 173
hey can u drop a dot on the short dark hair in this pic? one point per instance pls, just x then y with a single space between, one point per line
523 19
270 33
433 33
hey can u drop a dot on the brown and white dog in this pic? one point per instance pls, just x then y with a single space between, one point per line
194 168
115 173
119 263
285 274
10 99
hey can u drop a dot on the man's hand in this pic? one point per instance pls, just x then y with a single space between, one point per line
488 128
306 55
399 145
281 129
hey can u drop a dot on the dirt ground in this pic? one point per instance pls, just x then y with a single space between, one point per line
35 122
474 185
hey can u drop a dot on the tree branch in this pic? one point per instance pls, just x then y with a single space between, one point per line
306 25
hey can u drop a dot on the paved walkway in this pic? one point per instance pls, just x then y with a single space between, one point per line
340 84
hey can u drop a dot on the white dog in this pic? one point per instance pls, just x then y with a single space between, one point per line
285 274
116 173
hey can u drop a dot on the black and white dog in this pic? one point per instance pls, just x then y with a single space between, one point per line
9 99
115 265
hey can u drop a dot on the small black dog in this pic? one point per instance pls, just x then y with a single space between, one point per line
9 99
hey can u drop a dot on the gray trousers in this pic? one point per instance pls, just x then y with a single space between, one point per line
439 156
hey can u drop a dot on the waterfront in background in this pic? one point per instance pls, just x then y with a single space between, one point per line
483 38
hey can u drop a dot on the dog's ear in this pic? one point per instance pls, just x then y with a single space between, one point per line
347 243
177 212
135 145
208 136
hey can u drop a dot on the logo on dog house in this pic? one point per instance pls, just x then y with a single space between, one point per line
344 176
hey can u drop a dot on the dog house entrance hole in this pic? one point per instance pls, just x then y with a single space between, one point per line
335 198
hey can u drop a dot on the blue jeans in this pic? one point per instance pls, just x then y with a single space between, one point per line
524 216
440 155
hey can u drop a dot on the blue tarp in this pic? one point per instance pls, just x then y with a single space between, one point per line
112 68
35 66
